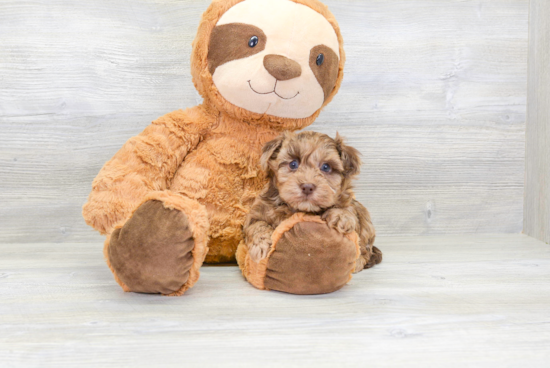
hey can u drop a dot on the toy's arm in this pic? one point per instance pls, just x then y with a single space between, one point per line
145 163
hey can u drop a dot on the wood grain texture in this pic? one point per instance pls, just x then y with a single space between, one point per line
439 301
434 96
537 166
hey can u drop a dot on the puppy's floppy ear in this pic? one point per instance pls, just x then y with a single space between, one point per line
270 151
350 157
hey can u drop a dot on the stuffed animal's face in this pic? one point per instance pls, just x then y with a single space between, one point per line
274 57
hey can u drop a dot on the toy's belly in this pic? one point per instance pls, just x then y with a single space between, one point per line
225 177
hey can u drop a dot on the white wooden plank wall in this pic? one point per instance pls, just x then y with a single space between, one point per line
434 97
537 170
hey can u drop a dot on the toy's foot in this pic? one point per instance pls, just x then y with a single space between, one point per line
152 252
310 258
306 257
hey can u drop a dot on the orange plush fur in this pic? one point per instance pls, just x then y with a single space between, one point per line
203 160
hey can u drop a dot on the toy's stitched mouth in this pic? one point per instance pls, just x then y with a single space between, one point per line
274 91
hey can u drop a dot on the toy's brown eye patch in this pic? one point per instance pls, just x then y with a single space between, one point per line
234 41
324 63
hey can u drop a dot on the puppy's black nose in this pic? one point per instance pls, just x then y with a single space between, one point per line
307 189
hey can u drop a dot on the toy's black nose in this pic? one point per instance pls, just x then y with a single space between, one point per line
282 68
307 189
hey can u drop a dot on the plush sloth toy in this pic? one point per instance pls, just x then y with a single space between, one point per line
177 194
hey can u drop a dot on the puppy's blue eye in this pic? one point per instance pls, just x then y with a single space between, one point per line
326 168
294 165
253 41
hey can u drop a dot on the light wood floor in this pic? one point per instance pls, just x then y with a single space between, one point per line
433 302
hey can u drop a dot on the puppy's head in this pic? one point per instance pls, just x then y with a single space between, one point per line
310 171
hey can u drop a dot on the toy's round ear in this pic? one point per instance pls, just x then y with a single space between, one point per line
350 157
270 151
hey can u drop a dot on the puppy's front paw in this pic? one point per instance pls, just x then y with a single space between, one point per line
260 247
341 220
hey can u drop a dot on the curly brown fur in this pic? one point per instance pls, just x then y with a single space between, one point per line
313 173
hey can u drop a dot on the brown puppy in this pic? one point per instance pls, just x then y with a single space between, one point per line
310 172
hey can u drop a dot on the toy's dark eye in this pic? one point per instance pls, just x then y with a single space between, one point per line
326 168
320 59
294 165
253 41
